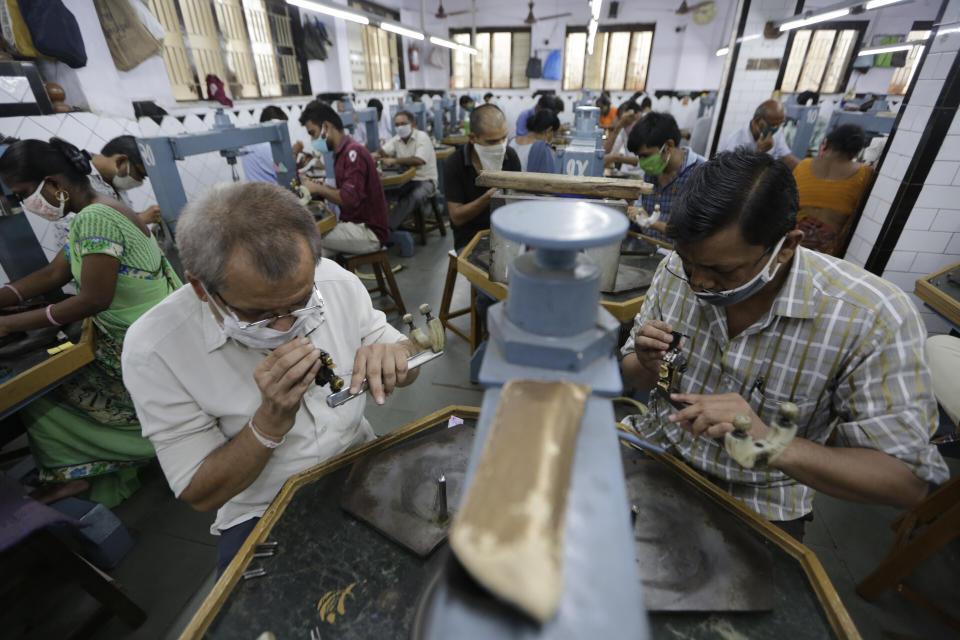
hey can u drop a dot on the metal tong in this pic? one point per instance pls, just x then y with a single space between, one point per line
340 397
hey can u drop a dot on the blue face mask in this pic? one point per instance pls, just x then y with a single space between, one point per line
320 145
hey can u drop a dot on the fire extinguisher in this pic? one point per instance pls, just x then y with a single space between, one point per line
413 54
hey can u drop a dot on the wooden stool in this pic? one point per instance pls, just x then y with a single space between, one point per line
421 226
386 283
936 522
445 314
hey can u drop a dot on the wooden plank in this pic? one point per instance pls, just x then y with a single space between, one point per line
445 152
622 311
937 299
396 179
615 188
221 590
54 368
455 140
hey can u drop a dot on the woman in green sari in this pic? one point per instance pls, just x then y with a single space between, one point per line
85 435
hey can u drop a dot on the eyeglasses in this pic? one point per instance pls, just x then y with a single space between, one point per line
296 313
685 278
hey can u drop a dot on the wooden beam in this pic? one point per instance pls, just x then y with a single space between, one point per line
616 188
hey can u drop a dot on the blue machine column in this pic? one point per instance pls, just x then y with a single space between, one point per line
552 328
584 155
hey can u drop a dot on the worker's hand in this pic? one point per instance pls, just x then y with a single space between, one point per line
388 162
712 415
150 215
765 143
297 148
282 378
610 160
383 365
315 188
650 344
639 216
489 193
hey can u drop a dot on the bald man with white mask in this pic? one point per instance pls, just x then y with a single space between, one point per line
222 373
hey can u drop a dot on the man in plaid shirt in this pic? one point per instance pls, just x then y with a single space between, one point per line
766 321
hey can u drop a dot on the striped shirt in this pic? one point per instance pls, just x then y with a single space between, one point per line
842 344
665 195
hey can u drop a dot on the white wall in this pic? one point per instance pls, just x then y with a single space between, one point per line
931 238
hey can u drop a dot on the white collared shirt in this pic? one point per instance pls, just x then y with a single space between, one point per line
194 389
744 138
418 145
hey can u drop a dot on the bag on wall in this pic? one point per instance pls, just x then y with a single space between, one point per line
315 40
534 67
55 31
129 41
553 68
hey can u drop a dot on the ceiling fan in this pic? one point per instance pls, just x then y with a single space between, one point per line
703 12
441 14
531 19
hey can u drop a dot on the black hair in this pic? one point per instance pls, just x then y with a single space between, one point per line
465 100
376 104
604 100
123 145
272 113
646 103
485 116
33 160
653 130
848 139
318 112
545 102
487 95
409 116
556 104
749 188
542 121
629 105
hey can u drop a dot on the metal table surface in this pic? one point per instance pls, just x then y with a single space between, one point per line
342 576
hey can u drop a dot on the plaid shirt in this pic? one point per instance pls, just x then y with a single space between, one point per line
842 344
664 195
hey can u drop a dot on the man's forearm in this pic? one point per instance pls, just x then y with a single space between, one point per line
227 471
856 474
412 161
610 139
464 213
332 194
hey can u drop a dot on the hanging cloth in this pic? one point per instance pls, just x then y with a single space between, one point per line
553 69
55 31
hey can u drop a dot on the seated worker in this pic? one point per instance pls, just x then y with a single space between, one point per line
487 150
84 435
467 105
383 124
487 98
410 148
763 133
607 112
533 149
258 165
615 144
766 321
222 372
363 209
831 188
655 140
545 102
118 168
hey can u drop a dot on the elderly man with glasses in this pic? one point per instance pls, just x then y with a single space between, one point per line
764 322
222 373
764 133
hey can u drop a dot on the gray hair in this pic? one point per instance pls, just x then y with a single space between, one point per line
264 220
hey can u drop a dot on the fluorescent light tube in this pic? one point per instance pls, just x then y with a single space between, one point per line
889 49
403 31
330 11
722 51
876 4
452 45
822 17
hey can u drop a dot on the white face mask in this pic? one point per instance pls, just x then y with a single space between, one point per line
491 156
744 291
404 130
127 182
263 337
36 204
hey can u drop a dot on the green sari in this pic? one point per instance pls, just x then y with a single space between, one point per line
87 427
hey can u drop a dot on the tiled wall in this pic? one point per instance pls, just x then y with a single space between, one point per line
931 238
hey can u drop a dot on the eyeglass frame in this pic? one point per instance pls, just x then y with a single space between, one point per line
243 326
685 278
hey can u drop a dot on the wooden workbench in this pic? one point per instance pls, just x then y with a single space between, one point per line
942 295
623 307
324 553
48 373
455 140
444 152
391 179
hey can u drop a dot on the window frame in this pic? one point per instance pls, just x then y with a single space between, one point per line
390 14
918 25
631 28
836 25
492 30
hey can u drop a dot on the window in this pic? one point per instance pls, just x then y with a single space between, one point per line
903 75
248 44
374 53
500 63
821 59
619 62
